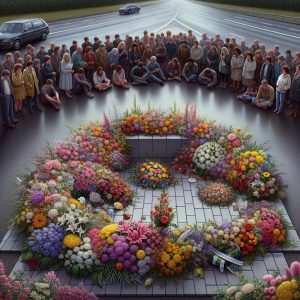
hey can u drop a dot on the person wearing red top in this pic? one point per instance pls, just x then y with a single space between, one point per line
89 58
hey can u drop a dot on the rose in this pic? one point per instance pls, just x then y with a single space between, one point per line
164 220
155 214
248 226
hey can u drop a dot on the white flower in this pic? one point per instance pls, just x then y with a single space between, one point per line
87 246
52 213
86 240
73 206
29 215
231 290
57 205
82 200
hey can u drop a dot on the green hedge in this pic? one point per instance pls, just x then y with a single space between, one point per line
272 4
8 7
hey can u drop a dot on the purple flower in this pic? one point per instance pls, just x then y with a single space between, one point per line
37 197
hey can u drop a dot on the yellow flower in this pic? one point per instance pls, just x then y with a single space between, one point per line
71 241
142 169
110 241
77 203
198 272
176 232
140 254
254 153
251 165
259 159
118 205
177 258
266 174
107 230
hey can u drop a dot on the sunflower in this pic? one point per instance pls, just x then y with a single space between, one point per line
39 221
266 174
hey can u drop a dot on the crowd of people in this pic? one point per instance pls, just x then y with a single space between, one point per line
265 78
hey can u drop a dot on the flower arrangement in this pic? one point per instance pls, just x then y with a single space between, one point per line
216 194
151 174
277 287
270 223
64 204
48 287
163 214
208 155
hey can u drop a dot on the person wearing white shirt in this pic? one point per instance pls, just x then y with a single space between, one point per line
119 78
101 82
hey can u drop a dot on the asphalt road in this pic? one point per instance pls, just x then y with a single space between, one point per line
179 15
18 147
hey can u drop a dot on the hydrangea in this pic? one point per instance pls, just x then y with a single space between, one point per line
47 241
208 155
37 197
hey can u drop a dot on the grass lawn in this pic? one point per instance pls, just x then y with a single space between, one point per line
273 14
72 13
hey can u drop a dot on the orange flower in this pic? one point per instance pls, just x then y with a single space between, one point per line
39 221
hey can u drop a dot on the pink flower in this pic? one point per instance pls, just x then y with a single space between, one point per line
295 268
231 137
272 290
268 277
273 282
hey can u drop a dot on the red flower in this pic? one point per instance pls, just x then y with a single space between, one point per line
248 226
33 263
235 184
154 214
164 220
245 238
250 248
170 209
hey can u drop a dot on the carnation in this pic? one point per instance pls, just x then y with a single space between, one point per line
231 290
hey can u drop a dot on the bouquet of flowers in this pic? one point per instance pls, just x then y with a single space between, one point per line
279 287
216 194
67 150
183 161
208 155
163 214
173 258
151 174
119 161
272 229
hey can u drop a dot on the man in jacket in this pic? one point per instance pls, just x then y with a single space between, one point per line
32 88
208 77
7 101
184 53
267 72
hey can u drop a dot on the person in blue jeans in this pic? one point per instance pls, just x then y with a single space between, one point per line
142 76
282 86
155 69
7 100
190 71
208 77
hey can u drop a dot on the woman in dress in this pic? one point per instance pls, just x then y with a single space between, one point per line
248 70
295 94
237 62
224 67
66 72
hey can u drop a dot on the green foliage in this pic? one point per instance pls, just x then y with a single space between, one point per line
274 4
32 6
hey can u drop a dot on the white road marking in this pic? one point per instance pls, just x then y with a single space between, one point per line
188 27
267 23
264 29
170 21
234 34
298 30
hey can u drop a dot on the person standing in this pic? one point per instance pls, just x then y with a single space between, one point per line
86 44
213 59
184 53
171 49
123 57
267 72
282 86
46 69
237 62
248 70
55 62
224 67
101 59
51 49
295 94
190 38
89 58
77 60
66 75
18 88
31 87
197 54
288 58
41 54
162 56
9 63
259 62
73 47
7 101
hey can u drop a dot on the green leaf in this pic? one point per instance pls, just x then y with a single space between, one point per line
100 279
27 256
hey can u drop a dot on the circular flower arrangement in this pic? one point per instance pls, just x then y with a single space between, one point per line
208 155
217 194
64 204
153 175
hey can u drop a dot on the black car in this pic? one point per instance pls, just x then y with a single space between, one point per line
129 9
17 32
